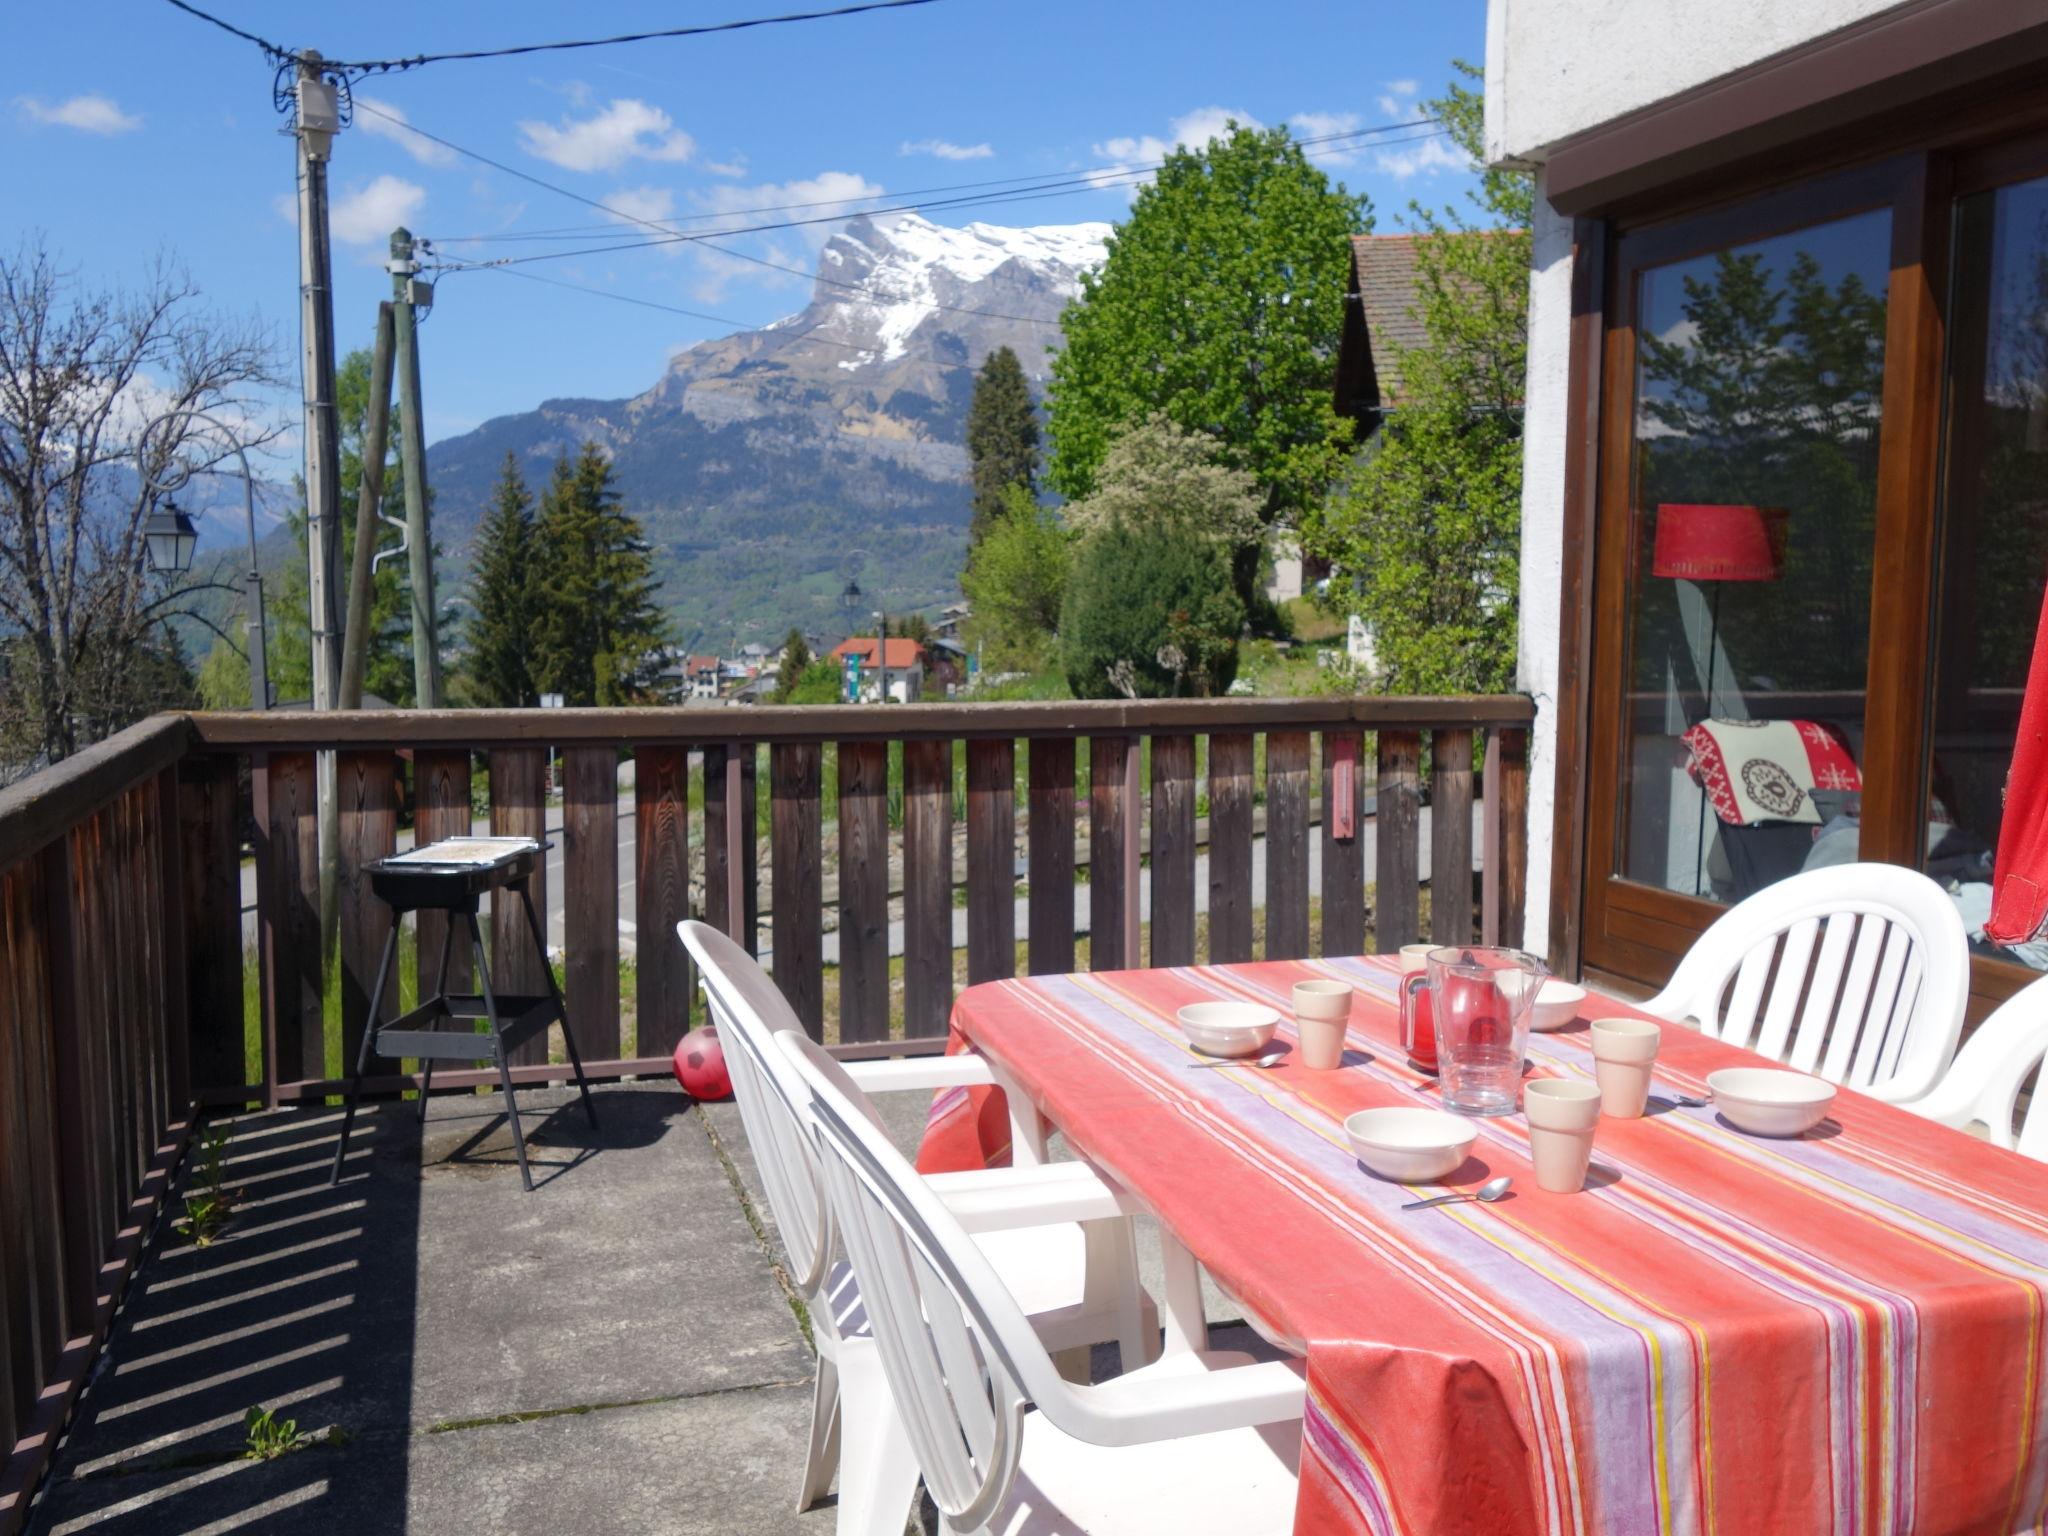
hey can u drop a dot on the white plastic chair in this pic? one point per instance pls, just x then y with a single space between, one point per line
1982 1085
1858 973
1061 1237
1198 1442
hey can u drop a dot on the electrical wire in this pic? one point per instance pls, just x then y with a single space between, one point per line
279 54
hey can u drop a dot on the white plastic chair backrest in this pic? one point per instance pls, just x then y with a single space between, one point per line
961 1360
1858 973
749 1011
1984 1082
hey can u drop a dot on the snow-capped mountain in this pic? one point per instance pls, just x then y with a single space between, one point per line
759 459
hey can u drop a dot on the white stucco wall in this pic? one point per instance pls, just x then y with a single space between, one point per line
1555 68
1543 440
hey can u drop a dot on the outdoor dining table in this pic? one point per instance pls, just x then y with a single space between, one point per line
1838 1332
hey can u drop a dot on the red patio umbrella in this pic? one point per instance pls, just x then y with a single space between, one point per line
2019 883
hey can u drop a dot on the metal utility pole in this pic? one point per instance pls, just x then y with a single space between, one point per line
355 651
407 291
319 120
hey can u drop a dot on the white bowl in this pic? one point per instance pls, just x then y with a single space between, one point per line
1228 1029
1767 1102
1557 1004
1410 1146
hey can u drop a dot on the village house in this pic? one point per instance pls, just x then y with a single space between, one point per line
903 661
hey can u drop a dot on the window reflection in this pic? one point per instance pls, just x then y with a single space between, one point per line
1994 533
1758 387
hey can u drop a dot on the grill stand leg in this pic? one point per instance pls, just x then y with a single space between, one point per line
370 1027
440 990
483 977
568 1033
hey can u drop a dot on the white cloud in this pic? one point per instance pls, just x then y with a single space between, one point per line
1398 101
946 151
1321 125
625 130
1420 157
380 119
369 213
89 114
1192 129
736 166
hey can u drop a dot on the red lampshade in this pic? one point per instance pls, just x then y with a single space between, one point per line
1707 542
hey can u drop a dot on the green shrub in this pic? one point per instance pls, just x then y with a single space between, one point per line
1150 612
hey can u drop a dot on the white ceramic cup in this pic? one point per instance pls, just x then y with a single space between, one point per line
1415 958
1624 1050
1561 1119
1322 1010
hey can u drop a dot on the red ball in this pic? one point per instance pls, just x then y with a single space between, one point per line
700 1065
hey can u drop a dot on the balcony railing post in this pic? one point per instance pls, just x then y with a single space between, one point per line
1133 843
1051 868
1490 844
519 809
1343 882
1514 823
1286 845
794 834
172 925
1450 839
661 898
1230 846
991 859
590 897
1396 909
863 890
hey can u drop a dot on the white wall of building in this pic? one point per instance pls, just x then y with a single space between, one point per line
1556 68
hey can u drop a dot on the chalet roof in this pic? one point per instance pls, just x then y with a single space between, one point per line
1382 318
902 654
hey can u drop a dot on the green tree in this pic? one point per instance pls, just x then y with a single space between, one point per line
796 659
504 606
599 632
1424 538
821 682
1151 612
1016 580
1220 305
1002 439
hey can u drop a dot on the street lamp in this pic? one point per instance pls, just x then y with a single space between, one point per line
172 538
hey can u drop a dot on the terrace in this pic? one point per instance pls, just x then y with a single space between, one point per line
617 1349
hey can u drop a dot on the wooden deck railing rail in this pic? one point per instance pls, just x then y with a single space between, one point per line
122 1003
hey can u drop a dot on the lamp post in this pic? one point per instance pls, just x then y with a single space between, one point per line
171 537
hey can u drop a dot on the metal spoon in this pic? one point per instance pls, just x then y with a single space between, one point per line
1487 1193
1270 1059
1683 1100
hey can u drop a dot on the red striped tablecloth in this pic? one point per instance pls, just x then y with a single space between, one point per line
1840 1333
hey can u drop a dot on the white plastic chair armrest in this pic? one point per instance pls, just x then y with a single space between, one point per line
904 1074
998 1199
1166 1404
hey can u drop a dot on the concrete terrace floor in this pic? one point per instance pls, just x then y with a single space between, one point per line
614 1352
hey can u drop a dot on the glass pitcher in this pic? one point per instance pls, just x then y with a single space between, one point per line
1482 1000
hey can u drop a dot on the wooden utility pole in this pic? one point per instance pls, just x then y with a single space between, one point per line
412 450
355 640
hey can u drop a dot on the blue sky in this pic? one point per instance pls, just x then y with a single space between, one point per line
134 129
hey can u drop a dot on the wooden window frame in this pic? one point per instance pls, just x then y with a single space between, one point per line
1633 933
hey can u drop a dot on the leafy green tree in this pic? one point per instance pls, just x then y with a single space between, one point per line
1220 305
796 660
599 633
1002 439
1424 538
1151 612
504 606
1016 580
1159 472
819 683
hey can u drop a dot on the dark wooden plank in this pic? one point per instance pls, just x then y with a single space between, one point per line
661 898
1173 850
1108 825
863 890
442 808
797 876
927 886
1050 813
1514 833
991 860
1450 837
29 1265
720 838
173 946
1397 881
26 994
518 809
74 1108
1286 845
1230 847
289 900
1343 925
590 898
366 788
209 826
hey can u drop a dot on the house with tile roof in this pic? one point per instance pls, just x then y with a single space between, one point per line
904 667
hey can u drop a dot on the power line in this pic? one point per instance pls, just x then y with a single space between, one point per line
279 54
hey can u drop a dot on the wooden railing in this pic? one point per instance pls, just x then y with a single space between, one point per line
128 998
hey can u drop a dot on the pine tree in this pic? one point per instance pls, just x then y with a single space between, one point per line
1002 439
599 632
796 656
503 603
